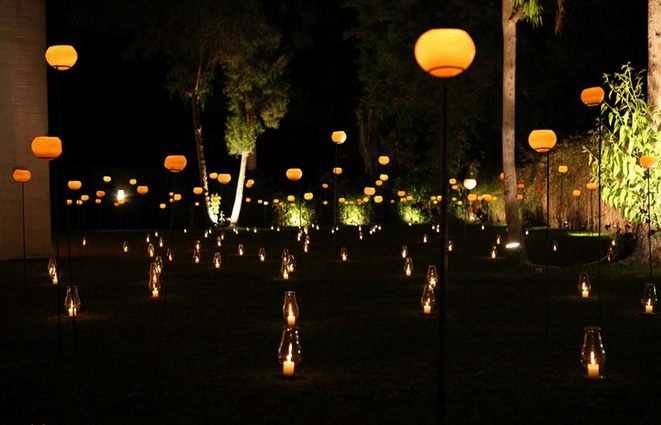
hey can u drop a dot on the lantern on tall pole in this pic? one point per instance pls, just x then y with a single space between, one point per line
649 162
592 97
22 175
444 53
542 141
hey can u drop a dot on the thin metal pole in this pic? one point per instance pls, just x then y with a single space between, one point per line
649 222
444 255
548 236
23 224
599 230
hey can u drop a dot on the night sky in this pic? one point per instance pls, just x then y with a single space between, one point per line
116 112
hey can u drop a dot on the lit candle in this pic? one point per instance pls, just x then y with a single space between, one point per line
649 308
427 309
291 319
285 274
593 368
154 293
288 365
72 311
408 271
585 293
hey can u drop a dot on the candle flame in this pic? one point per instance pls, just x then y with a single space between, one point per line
290 352
592 361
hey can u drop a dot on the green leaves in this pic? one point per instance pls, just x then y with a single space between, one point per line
628 133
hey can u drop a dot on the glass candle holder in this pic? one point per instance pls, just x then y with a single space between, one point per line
432 276
425 238
219 241
290 310
344 255
196 255
284 269
240 250
72 301
649 298
593 356
160 242
291 263
289 351
408 266
494 252
83 241
52 271
154 280
428 300
498 239
150 250
555 246
285 254
170 254
198 245
262 255
159 264
450 245
147 238
584 286
125 246
405 251
217 260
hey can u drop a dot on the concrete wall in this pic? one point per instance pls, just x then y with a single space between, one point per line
23 115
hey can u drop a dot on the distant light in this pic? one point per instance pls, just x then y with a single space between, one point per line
120 195
512 245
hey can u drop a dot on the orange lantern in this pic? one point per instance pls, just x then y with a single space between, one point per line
107 179
576 193
562 169
337 170
378 199
472 197
383 177
592 96
177 197
175 163
142 190
542 141
519 197
213 176
250 183
648 161
84 198
61 57
592 186
133 182
224 178
198 190
308 196
46 148
444 52
21 174
487 198
294 174
401 193
369 191
324 185
100 193
378 183
291 198
74 184
383 160
339 137
162 206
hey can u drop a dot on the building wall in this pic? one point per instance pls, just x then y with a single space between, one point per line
23 115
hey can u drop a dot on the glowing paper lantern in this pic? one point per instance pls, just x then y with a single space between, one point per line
213 176
324 185
162 206
576 193
378 199
291 198
294 174
46 148
308 196
472 197
337 170
542 141
74 184
250 183
21 175
562 169
107 179
648 161
175 163
198 190
470 184
369 191
401 193
444 52
84 198
224 178
383 160
142 190
177 197
592 186
338 137
592 96
133 182
61 57
383 177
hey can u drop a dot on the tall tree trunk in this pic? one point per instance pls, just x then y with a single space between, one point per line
240 183
508 125
201 162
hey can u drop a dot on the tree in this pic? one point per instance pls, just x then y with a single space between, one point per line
255 85
628 132
188 34
512 12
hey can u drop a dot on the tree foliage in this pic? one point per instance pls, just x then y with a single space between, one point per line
627 133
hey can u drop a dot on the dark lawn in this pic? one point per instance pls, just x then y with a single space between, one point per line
205 352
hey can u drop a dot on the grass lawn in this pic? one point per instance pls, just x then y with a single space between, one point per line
206 350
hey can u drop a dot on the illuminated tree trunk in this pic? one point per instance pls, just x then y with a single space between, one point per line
509 22
201 162
654 55
240 183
